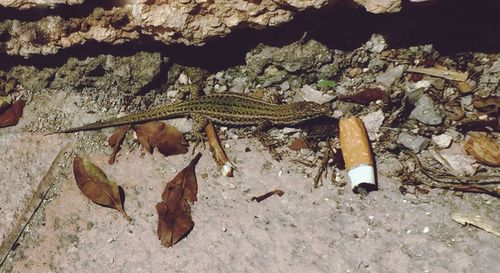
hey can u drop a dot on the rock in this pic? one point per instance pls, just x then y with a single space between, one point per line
389 166
373 121
414 95
380 6
426 111
415 143
126 74
443 140
464 87
186 22
310 94
438 83
308 57
376 44
456 160
387 78
285 86
495 68
354 72
30 78
26 4
424 84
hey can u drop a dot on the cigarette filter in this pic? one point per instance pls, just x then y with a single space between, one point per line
357 153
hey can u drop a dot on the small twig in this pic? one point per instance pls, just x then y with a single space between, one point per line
218 152
461 183
323 168
441 72
267 195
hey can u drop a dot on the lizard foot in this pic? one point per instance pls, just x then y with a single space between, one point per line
270 144
198 140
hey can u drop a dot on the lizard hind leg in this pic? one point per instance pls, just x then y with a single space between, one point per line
200 122
266 140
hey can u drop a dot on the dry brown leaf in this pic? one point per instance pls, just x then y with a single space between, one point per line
297 144
11 115
174 212
483 148
366 96
165 137
94 183
115 140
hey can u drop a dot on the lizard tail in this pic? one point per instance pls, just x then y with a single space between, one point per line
113 122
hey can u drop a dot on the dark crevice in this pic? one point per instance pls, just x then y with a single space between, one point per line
452 26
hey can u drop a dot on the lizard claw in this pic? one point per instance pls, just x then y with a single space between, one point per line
199 139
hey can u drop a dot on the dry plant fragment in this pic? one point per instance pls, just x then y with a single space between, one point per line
12 114
263 197
174 212
218 152
94 184
481 221
115 140
483 148
441 72
165 137
488 184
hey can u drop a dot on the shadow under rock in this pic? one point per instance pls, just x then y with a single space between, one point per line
451 26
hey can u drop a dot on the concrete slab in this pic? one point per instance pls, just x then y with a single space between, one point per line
25 160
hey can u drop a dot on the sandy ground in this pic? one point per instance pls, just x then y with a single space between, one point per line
329 229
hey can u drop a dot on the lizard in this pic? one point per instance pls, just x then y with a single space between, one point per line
230 109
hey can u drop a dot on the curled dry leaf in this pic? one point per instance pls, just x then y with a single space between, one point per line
174 212
165 137
115 140
366 96
12 114
94 183
483 148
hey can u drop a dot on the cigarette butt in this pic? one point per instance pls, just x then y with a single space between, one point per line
357 153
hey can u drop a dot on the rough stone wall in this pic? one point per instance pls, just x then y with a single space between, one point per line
27 4
190 22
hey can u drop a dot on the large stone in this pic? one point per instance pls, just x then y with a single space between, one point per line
427 111
187 22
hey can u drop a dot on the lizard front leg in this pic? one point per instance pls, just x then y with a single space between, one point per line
200 122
